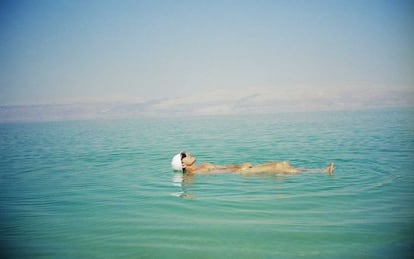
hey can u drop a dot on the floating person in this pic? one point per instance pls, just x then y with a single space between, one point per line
187 163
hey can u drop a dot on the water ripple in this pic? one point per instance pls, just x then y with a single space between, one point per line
99 188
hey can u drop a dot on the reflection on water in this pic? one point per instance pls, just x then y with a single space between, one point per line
178 179
183 181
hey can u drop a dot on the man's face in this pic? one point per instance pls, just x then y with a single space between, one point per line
189 160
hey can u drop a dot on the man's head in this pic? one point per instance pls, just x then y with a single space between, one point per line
182 160
187 160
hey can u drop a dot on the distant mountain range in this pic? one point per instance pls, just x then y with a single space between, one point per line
219 102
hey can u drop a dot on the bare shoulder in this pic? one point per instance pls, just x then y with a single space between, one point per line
212 168
207 166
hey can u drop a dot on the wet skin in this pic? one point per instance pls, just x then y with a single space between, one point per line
189 166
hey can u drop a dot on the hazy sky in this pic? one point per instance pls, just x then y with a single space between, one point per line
75 51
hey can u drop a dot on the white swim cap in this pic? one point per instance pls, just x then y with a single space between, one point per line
176 162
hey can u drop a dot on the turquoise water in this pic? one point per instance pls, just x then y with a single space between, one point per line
99 189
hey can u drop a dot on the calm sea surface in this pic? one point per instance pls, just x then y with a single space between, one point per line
105 189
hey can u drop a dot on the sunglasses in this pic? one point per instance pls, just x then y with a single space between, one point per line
183 155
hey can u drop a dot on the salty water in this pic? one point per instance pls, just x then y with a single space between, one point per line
105 189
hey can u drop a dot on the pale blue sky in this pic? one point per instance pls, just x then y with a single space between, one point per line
78 51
